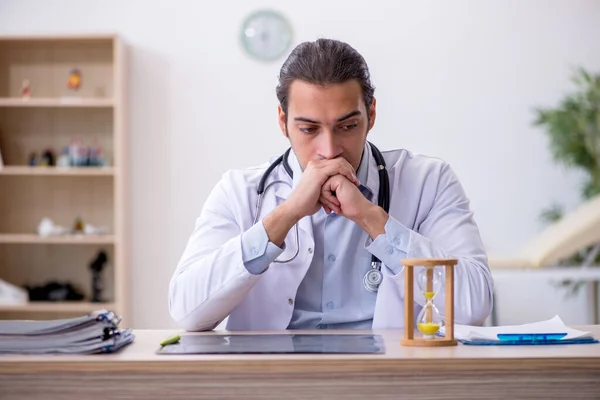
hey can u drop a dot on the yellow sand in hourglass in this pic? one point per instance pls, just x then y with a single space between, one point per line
428 328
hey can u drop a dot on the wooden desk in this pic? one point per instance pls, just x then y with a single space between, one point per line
465 372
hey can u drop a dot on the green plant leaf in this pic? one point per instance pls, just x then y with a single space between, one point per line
552 213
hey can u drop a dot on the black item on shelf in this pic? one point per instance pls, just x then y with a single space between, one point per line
54 291
48 158
97 266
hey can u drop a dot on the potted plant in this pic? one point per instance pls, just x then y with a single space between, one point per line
573 129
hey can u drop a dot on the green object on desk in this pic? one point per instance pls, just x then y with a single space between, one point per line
170 340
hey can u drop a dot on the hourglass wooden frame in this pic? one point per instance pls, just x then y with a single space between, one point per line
409 318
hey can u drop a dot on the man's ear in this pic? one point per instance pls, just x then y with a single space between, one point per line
372 113
282 124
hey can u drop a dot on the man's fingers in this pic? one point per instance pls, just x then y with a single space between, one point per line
340 169
328 204
326 193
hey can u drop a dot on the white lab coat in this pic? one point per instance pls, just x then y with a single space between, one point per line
211 283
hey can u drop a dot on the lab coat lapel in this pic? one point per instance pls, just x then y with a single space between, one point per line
372 175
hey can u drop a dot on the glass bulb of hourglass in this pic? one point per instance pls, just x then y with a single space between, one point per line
435 278
429 320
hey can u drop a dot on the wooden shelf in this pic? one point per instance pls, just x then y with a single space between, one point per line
54 117
57 171
55 102
58 306
25 238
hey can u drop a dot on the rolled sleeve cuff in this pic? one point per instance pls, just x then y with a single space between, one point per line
392 246
257 251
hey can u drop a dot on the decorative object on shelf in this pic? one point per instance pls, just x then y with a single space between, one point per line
97 265
12 294
33 161
74 81
46 228
54 291
64 159
82 156
266 35
78 226
47 159
77 153
73 155
94 230
96 158
25 89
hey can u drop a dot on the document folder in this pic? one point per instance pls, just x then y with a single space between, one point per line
549 332
97 332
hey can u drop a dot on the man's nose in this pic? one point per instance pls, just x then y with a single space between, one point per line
328 148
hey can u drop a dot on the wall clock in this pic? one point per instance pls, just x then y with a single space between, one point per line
266 35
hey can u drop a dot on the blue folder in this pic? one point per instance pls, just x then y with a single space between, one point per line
527 339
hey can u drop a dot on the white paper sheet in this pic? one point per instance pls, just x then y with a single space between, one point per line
553 325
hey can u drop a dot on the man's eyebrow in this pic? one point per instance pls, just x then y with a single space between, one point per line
342 118
349 115
304 119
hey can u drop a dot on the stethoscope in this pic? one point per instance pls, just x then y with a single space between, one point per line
372 279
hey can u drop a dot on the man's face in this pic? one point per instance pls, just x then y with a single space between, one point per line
327 122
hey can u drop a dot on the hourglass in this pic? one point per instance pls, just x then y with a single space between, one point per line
429 321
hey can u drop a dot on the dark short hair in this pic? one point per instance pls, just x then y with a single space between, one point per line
322 62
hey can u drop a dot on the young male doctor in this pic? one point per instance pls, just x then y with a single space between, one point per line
325 215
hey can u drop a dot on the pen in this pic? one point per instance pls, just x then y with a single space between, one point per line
170 340
531 336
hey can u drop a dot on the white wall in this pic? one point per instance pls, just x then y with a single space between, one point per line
455 79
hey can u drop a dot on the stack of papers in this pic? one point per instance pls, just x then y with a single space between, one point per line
552 331
97 332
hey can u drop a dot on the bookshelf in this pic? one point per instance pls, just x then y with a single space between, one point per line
39 111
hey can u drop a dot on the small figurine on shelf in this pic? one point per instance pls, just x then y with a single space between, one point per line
47 227
74 81
77 153
78 227
89 229
33 161
97 266
47 158
63 159
96 159
25 89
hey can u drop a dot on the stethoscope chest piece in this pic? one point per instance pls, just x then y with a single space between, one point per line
373 278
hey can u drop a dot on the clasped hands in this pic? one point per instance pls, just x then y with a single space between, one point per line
316 188
333 185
